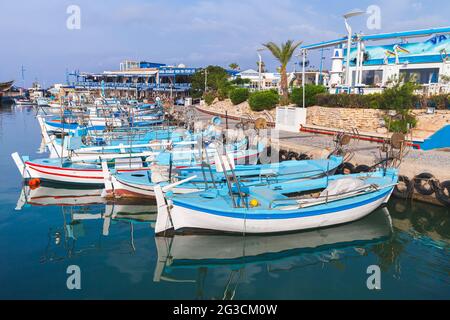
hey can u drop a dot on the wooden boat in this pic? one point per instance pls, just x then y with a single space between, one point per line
23 102
5 86
282 207
88 170
141 185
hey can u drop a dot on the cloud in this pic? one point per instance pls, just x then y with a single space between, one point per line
194 32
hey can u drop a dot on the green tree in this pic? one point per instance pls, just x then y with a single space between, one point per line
234 66
283 54
311 91
217 77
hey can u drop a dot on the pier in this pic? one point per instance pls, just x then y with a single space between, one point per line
316 142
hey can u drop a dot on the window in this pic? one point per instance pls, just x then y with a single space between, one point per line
422 76
370 77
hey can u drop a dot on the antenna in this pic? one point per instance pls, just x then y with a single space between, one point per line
22 72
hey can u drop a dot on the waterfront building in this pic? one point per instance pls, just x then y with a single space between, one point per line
136 79
373 67
271 80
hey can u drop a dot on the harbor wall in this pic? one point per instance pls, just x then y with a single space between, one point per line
372 120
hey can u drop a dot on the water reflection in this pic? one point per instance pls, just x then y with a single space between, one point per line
224 262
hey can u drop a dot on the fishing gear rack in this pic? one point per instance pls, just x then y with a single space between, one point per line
230 177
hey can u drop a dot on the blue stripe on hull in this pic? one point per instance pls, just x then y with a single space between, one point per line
278 216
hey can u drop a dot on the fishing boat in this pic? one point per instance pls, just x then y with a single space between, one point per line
282 207
88 169
5 86
213 251
23 102
141 185
43 102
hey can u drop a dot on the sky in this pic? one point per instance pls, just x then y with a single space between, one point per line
193 32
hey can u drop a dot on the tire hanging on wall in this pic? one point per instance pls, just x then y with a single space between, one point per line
283 155
292 155
407 191
346 168
303 156
423 184
443 192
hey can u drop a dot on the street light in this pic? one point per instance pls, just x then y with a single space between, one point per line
303 54
347 16
260 67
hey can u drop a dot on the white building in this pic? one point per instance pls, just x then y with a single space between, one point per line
372 68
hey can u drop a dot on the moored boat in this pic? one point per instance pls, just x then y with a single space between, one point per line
275 208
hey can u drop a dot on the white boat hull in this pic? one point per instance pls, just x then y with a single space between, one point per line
185 218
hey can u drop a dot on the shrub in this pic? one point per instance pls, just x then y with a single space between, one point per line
239 95
399 97
402 125
263 100
209 98
311 92
349 100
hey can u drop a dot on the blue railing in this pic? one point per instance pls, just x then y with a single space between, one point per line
131 86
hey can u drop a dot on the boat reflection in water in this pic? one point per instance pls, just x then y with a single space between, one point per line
202 252
77 207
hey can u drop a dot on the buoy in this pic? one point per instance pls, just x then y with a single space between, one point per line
34 183
404 188
443 192
423 184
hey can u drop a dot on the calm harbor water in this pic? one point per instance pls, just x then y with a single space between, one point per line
120 258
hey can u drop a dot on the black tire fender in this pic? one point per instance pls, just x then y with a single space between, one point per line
443 192
346 168
421 182
361 168
400 193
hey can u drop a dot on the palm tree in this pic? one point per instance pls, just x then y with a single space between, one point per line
283 54
234 66
263 66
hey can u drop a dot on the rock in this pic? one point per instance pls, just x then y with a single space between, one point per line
382 130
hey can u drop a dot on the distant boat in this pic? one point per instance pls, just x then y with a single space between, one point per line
23 102
5 86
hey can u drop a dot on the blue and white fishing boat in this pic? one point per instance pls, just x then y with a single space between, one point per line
141 185
87 169
282 207
43 102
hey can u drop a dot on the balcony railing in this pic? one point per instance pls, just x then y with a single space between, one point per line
132 86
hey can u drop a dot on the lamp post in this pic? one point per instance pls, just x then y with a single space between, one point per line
303 54
321 64
347 16
206 79
303 76
259 68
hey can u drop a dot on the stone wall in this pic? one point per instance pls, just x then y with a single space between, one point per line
371 120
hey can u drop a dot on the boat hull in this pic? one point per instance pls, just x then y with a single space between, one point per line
195 218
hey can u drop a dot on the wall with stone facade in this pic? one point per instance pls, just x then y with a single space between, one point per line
371 120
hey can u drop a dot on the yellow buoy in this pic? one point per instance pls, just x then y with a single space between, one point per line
254 203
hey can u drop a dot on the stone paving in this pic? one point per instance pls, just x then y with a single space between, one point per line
415 162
